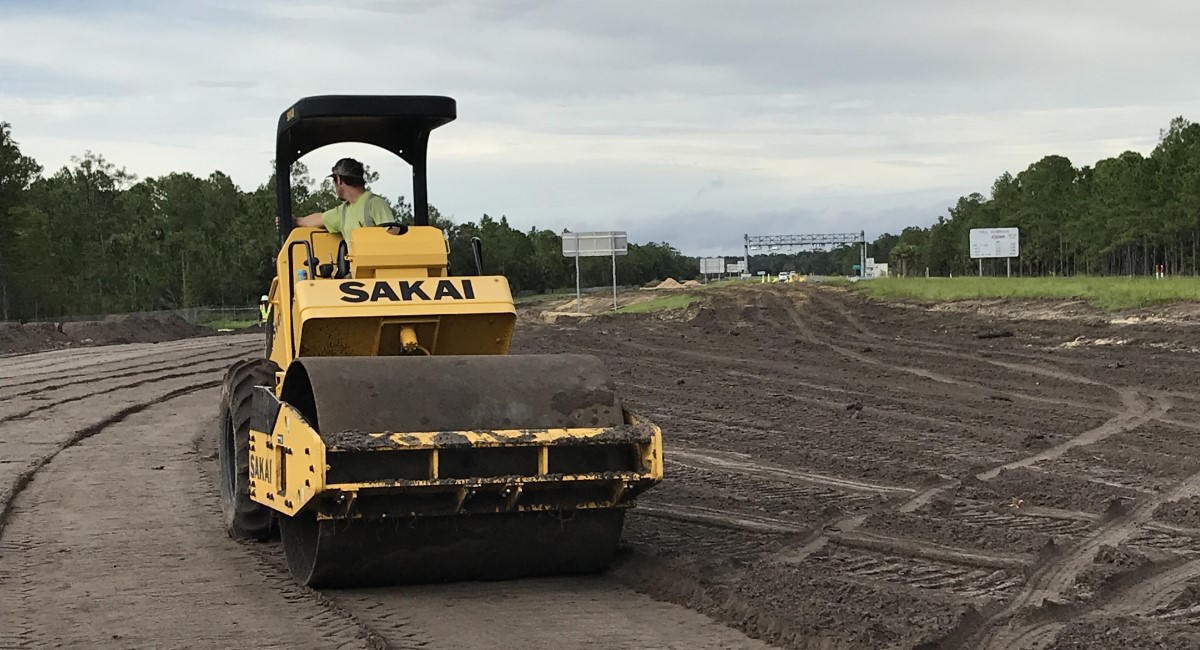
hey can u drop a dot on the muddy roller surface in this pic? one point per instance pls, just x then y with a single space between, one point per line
840 474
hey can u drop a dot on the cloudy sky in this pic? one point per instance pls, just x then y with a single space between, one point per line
691 122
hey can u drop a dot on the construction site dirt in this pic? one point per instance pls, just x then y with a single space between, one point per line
840 473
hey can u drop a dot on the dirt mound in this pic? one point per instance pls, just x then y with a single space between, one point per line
133 328
31 337
724 313
691 283
669 283
124 328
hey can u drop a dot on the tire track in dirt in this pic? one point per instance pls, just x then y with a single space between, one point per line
970 448
399 633
102 372
1154 597
1136 409
1049 582
810 335
211 364
1055 576
923 346
1159 536
819 539
1029 519
760 498
543 614
102 537
52 365
969 574
109 409
23 478
800 373
903 411
1135 412
741 464
922 549
720 518
823 296
842 493
44 362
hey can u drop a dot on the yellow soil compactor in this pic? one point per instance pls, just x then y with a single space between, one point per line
387 435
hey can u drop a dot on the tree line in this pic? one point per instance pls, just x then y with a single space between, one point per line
91 238
1123 215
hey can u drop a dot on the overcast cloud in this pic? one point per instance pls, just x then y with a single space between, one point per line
691 122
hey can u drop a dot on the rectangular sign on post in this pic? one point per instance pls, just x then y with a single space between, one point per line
712 265
595 244
995 242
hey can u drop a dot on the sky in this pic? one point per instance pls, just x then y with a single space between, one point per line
692 122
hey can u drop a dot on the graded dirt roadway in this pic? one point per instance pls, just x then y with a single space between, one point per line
840 474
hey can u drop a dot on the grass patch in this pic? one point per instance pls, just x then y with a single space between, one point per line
556 295
1107 293
666 303
230 324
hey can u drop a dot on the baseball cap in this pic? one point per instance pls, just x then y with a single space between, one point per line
348 168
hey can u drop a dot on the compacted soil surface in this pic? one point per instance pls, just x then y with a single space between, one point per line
840 473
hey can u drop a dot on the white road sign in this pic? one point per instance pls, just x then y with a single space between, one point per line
995 242
712 265
594 244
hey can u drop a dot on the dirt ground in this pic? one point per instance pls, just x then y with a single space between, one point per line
17 338
840 474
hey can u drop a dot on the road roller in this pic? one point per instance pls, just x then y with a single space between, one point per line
386 435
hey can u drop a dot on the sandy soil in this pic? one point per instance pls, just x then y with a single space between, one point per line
840 474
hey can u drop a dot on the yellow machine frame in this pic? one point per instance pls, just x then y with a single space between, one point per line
401 300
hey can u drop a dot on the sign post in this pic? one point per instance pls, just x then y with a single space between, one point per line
594 244
993 243
614 256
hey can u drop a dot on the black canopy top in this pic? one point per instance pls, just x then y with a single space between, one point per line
397 123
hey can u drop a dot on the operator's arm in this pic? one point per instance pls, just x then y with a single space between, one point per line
314 220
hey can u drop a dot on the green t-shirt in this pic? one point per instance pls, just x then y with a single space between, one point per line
368 210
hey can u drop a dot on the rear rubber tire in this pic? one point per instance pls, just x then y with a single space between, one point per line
243 518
